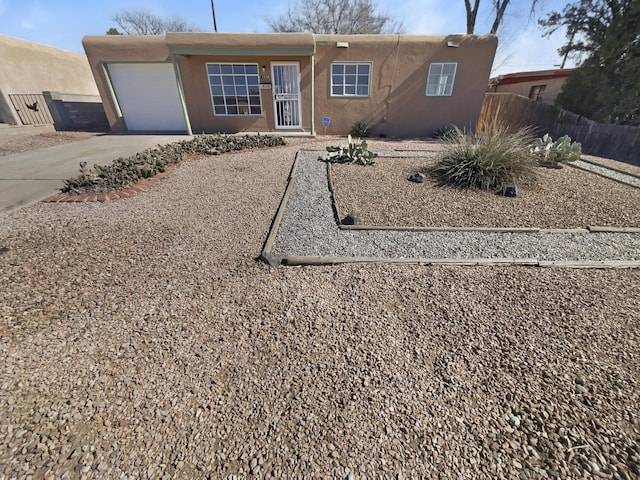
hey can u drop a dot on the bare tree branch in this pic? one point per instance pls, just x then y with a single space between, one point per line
335 16
144 22
472 13
499 8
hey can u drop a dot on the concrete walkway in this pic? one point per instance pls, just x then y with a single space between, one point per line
29 177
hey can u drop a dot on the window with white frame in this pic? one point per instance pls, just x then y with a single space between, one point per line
235 88
350 79
440 80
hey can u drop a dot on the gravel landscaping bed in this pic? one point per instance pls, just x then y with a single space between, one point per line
605 162
141 339
567 198
309 229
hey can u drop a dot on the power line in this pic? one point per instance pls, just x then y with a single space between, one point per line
213 11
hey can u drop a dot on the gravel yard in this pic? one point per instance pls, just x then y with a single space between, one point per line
141 339
308 230
565 198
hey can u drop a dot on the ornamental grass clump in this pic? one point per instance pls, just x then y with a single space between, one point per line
360 129
488 160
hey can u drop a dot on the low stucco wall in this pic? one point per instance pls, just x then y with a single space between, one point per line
76 112
28 67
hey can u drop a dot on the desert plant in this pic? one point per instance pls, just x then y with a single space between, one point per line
444 132
488 161
124 172
553 154
360 129
354 152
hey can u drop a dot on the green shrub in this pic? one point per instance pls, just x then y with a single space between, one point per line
357 153
124 172
488 161
553 154
360 129
444 132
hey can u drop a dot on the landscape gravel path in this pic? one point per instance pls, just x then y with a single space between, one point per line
309 228
140 338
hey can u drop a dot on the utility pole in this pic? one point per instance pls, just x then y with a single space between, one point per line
213 11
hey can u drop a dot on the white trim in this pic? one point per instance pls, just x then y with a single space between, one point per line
147 95
183 101
447 87
211 95
286 96
370 64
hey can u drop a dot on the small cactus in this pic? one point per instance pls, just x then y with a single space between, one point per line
553 154
357 153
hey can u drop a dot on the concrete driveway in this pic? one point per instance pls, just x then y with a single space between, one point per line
29 177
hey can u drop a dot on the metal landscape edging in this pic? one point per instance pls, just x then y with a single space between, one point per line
266 255
302 260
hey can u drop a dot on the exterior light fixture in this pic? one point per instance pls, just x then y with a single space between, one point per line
453 44
342 44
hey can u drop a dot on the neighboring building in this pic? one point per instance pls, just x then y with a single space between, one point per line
29 69
401 85
542 86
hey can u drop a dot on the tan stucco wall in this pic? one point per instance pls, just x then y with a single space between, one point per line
198 97
32 68
102 50
553 87
254 41
397 105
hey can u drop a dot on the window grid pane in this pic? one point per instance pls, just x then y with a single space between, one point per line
350 79
441 79
234 89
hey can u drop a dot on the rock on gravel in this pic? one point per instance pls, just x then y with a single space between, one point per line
309 228
141 339
561 198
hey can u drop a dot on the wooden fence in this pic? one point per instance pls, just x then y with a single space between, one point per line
619 142
32 108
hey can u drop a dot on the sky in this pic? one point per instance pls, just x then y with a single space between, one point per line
63 23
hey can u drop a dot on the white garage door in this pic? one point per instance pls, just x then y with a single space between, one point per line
148 96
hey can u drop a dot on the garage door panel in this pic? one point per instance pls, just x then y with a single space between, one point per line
148 96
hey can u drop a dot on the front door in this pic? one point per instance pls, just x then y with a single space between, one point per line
286 94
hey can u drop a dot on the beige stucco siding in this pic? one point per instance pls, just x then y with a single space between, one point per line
198 95
398 105
552 88
102 50
31 68
199 42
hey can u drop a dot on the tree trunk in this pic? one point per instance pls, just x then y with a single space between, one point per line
500 9
471 14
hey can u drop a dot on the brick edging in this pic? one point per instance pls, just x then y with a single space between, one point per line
130 191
